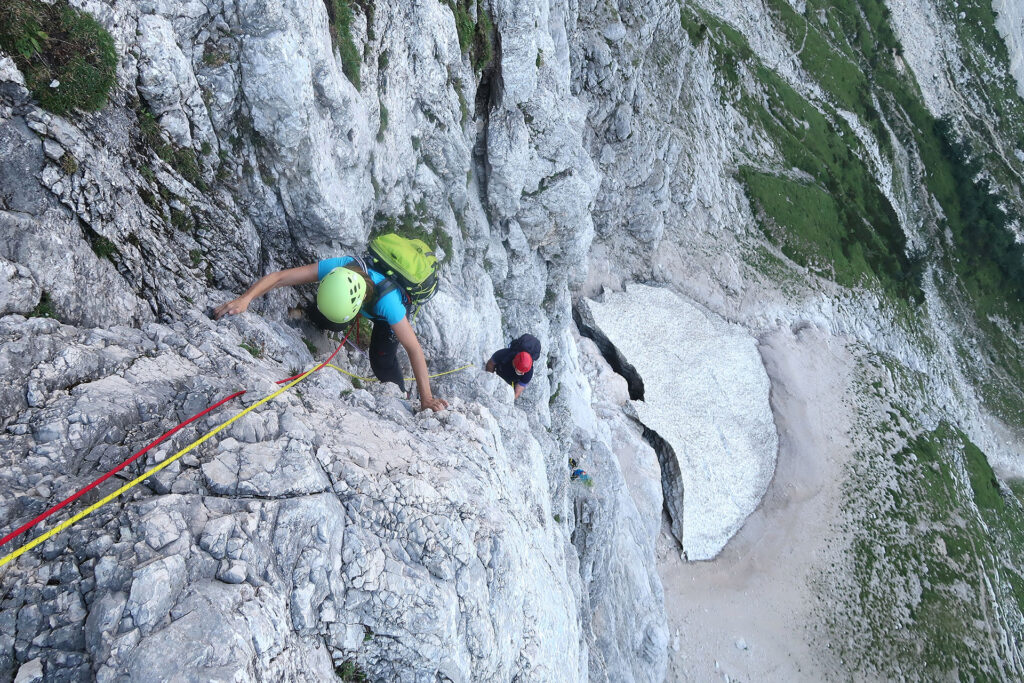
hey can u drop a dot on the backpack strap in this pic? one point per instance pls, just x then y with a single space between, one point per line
385 287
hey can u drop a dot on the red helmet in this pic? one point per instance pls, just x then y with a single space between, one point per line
522 362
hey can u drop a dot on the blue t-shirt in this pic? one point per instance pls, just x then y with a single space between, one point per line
388 307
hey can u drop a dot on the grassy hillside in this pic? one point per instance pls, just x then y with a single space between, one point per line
820 200
936 548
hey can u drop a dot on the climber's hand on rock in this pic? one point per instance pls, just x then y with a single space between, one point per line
434 403
233 307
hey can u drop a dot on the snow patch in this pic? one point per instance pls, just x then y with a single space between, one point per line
706 394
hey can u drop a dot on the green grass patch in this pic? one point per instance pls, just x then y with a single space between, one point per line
101 246
463 104
310 345
214 58
810 218
464 24
1017 488
63 45
181 159
253 348
69 164
182 220
483 39
826 53
350 672
339 15
475 37
44 309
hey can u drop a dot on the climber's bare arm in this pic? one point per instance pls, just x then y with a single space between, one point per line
407 338
282 278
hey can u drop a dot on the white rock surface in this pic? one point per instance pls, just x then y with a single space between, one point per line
1010 23
706 394
18 292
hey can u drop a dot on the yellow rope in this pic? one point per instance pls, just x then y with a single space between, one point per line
138 480
408 379
95 506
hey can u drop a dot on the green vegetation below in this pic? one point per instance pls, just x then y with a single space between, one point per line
934 537
837 219
995 88
68 59
852 51
814 234
987 266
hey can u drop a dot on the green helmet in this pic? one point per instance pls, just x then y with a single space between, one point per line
341 294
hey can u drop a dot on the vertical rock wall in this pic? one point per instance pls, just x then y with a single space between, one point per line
332 529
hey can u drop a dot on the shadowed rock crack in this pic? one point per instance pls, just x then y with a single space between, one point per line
671 478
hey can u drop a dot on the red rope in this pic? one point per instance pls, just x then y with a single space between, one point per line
70 499
329 358
108 475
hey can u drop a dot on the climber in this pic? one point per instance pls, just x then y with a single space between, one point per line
347 288
514 364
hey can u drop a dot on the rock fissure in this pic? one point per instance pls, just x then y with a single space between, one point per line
585 324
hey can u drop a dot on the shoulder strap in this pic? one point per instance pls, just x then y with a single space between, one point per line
385 287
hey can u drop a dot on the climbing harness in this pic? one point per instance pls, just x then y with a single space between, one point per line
374 379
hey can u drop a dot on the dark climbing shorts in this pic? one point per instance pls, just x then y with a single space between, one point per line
383 346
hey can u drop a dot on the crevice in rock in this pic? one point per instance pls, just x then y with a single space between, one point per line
589 329
671 478
482 103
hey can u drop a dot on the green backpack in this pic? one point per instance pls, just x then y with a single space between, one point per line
406 264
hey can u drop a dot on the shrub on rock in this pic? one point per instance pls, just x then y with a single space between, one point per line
67 57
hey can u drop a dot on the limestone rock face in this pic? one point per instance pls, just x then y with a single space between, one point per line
706 395
548 149
333 527
18 292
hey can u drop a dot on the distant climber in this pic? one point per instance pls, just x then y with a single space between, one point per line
349 287
514 364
